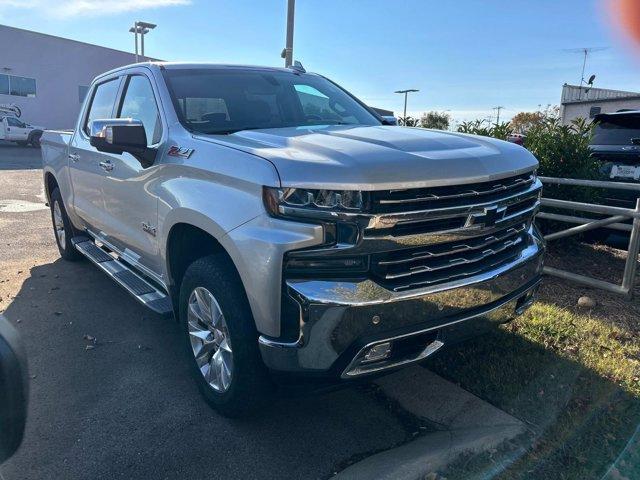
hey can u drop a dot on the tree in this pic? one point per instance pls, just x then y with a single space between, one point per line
437 120
523 121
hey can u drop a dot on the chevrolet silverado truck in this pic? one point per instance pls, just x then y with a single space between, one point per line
288 229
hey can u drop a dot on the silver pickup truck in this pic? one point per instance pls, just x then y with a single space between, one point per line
286 226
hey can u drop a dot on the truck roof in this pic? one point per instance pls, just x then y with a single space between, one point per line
189 65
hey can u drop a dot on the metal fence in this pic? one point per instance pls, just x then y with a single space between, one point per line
613 221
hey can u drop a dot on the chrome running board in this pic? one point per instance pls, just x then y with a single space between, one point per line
143 291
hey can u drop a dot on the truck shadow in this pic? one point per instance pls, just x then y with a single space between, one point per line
111 397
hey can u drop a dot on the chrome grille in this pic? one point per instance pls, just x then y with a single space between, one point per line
386 201
446 233
411 268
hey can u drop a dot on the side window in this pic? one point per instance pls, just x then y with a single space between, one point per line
14 122
102 102
139 103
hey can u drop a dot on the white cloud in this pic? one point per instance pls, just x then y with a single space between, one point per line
75 8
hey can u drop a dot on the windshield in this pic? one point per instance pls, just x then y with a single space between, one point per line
224 101
617 130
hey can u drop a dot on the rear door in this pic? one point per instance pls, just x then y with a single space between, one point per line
131 203
86 164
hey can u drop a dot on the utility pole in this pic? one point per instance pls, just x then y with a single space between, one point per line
287 53
498 108
406 92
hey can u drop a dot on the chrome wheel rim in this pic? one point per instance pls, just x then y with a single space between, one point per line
58 225
209 337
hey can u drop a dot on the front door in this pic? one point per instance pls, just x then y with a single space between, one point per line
130 200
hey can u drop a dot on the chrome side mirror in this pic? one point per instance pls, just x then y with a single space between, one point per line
118 135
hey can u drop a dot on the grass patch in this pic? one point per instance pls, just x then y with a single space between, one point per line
572 378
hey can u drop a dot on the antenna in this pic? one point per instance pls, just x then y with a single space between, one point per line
297 66
585 51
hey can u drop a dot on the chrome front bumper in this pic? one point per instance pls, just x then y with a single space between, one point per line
341 320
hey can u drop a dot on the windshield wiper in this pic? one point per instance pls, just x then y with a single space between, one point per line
231 130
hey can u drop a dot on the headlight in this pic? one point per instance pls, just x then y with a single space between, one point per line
283 201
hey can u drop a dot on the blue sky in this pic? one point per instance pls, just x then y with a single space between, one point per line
465 56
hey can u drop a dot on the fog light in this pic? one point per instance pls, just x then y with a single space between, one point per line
378 352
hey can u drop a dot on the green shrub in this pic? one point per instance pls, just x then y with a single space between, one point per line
481 127
562 150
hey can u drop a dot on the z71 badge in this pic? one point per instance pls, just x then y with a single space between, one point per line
176 151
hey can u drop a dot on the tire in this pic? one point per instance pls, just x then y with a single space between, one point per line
231 344
62 228
34 139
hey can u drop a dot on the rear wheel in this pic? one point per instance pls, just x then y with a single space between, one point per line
34 139
62 228
221 338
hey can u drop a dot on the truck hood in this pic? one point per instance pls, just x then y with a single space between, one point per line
379 157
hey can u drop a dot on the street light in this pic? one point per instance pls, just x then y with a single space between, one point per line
287 53
406 92
141 28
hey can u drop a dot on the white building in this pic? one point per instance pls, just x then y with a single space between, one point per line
47 77
588 102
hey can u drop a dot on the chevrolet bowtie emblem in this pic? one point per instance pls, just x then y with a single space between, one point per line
488 218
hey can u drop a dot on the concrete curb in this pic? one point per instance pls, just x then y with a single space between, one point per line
468 424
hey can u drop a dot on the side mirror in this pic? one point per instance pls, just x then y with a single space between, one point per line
389 120
119 135
14 390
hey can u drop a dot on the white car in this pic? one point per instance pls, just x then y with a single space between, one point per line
13 129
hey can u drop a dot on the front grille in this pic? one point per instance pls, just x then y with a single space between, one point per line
465 231
388 201
438 263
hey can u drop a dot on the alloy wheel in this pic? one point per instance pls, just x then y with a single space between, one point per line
209 338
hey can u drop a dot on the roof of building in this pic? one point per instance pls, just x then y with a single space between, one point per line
22 30
578 94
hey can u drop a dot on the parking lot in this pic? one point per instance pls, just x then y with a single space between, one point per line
125 406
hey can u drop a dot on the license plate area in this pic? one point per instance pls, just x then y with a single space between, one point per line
625 171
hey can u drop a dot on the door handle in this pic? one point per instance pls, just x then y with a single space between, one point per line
107 166
74 157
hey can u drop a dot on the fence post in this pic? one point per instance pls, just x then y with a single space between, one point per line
631 265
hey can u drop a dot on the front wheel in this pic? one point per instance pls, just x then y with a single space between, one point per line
221 338
62 228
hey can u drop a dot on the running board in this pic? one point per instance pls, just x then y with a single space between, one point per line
150 296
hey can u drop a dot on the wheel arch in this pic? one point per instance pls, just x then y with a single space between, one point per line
50 184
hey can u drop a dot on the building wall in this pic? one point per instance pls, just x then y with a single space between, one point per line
571 111
59 66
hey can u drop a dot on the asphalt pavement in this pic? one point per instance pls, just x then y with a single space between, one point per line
111 395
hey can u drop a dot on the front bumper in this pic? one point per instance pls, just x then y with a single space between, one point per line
341 320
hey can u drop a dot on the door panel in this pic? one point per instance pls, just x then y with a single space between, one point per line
87 176
131 205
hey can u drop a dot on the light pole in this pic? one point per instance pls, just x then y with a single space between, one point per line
287 53
498 108
406 92
141 28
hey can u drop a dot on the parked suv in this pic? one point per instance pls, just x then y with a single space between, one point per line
616 144
286 227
